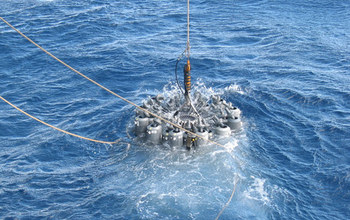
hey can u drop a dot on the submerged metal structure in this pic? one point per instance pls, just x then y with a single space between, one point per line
212 118
203 118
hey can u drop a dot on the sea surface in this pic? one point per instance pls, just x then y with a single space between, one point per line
285 64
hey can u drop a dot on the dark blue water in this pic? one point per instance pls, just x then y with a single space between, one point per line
285 64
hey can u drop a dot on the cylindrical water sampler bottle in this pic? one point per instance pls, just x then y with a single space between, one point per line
176 138
141 123
154 133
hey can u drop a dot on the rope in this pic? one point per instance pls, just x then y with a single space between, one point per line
113 93
188 29
228 202
58 129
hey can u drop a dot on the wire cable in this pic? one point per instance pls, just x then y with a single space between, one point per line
188 29
176 65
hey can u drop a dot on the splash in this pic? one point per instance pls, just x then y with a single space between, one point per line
172 89
257 191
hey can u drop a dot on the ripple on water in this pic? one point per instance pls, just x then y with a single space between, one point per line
288 76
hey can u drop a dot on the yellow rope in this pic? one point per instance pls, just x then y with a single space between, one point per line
228 202
58 129
113 93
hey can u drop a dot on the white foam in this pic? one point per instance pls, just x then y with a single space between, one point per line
171 88
234 88
257 191
231 145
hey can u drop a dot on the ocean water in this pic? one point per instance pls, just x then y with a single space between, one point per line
285 64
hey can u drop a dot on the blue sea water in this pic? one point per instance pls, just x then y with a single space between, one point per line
285 64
